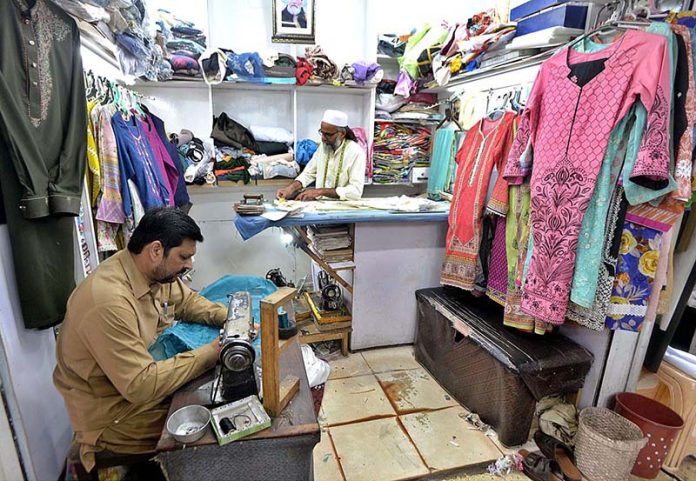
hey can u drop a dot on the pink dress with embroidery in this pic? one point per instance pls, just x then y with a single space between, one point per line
575 102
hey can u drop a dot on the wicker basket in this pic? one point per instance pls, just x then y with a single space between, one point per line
607 445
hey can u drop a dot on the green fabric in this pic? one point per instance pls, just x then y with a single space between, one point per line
43 136
43 112
418 42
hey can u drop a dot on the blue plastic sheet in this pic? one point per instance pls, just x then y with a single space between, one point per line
185 336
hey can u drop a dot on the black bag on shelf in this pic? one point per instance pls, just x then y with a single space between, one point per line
227 131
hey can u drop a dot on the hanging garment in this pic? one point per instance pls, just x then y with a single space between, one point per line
444 148
639 255
181 197
93 171
165 164
594 317
685 115
42 152
484 146
137 163
516 241
569 136
498 267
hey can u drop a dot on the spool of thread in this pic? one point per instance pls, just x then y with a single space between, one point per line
226 425
282 319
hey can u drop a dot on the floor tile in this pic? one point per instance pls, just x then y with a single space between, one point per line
376 450
479 477
529 446
349 366
325 463
353 399
391 359
447 441
414 390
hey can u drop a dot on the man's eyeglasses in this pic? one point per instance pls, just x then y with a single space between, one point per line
327 135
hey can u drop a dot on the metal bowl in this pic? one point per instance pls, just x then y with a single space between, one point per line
189 423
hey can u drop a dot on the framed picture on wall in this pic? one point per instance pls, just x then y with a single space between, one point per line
293 21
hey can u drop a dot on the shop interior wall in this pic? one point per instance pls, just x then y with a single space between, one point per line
347 31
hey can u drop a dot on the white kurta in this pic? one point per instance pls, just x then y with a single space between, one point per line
324 165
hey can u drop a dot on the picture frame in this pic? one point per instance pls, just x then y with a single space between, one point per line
294 21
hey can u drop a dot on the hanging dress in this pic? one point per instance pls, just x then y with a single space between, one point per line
575 103
485 145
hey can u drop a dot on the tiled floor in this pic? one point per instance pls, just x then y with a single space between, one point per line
384 418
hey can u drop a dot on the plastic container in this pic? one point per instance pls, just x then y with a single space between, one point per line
659 423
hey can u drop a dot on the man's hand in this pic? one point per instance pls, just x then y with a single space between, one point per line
216 344
310 194
285 193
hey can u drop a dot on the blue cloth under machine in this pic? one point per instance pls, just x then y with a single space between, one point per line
184 336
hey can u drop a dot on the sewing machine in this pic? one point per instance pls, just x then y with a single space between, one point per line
236 375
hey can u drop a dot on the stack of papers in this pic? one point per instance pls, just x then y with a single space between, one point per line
332 242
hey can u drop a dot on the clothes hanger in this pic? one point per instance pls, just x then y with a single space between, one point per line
449 117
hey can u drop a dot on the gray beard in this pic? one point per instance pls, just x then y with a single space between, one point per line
292 10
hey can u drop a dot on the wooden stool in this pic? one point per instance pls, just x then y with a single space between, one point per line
103 459
676 390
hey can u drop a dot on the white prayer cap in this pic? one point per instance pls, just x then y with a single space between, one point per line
335 117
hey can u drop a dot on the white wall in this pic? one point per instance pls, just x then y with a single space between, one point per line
27 358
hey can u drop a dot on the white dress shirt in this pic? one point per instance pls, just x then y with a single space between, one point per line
351 179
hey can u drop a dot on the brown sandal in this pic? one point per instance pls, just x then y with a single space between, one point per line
539 468
561 453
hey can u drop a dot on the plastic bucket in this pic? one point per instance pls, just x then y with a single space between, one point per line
659 423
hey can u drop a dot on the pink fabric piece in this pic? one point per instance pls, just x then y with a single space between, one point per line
497 270
164 160
568 125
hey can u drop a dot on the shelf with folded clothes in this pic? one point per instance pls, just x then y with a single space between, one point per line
408 121
494 70
200 84
223 185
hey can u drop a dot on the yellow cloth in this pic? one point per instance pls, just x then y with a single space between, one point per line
93 171
115 393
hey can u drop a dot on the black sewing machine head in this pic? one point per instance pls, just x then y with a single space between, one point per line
236 376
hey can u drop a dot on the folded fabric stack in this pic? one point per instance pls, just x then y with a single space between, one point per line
258 151
273 166
397 149
419 107
232 164
182 42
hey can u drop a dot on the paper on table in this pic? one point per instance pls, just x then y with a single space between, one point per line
275 215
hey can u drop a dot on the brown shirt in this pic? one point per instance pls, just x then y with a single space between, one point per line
104 370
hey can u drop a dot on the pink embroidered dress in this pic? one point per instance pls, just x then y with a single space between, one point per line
576 101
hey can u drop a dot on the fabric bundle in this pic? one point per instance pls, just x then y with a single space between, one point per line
566 213
397 149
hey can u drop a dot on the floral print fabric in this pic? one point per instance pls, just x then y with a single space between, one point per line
639 255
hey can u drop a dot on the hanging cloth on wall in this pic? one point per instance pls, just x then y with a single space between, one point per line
569 135
484 146
42 152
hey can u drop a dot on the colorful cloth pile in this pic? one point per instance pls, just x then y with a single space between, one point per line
397 149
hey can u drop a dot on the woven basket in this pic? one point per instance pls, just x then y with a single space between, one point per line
607 445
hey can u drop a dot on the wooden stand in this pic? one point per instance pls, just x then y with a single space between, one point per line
276 392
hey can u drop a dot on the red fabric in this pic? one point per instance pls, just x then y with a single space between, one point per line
303 70
485 145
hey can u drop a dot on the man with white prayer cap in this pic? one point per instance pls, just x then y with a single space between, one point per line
337 168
